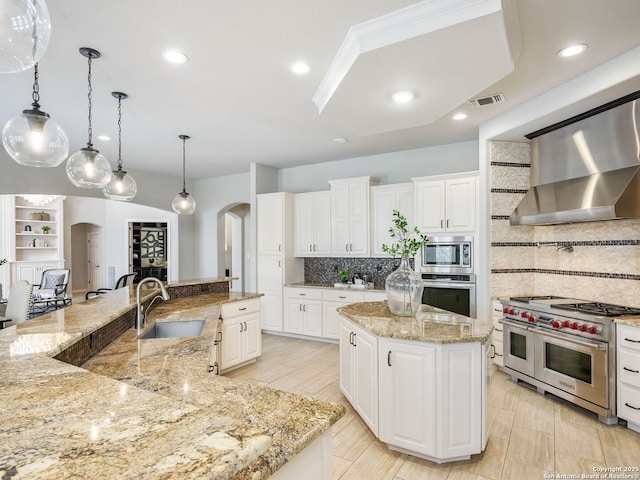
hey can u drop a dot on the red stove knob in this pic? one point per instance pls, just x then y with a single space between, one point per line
555 324
524 314
512 311
583 328
565 324
574 326
595 330
531 318
505 310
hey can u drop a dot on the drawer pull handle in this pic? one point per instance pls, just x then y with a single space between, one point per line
498 329
632 341
631 406
629 370
389 358
302 294
340 296
243 308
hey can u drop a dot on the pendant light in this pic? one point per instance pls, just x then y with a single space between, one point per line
88 168
122 185
183 203
25 30
33 139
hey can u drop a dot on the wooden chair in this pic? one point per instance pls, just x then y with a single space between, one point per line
17 308
123 281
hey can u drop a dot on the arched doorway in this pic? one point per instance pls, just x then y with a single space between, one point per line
87 258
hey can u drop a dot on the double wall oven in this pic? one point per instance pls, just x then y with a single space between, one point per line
565 347
446 266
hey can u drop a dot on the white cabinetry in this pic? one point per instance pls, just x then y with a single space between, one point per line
628 365
436 414
313 224
331 301
303 311
276 262
32 250
359 371
350 216
445 204
384 200
496 336
241 340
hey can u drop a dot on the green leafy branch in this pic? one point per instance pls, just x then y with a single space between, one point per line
3 261
408 241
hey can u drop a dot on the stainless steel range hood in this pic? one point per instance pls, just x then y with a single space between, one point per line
585 168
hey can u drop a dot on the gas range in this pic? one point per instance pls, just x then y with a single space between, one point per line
573 316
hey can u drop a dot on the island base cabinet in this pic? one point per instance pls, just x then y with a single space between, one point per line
431 399
359 371
241 340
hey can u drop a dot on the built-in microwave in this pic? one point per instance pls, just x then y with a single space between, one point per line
447 255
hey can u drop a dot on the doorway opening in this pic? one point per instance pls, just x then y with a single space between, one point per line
87 261
148 250
235 245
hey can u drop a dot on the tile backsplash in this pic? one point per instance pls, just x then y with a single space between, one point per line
325 270
603 266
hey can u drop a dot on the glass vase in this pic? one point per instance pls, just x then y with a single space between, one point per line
404 290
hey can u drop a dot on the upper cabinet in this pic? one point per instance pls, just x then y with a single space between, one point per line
384 200
312 224
271 219
446 203
350 216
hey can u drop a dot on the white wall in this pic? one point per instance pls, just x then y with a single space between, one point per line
214 196
395 167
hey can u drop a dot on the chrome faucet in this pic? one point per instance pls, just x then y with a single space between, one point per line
141 315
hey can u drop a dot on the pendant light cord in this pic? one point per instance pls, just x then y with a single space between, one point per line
184 181
36 88
119 132
90 129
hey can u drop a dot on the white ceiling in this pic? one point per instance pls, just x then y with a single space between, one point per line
239 102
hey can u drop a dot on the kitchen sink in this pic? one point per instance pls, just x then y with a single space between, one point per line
173 329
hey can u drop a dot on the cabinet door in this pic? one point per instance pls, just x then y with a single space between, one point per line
321 216
346 361
330 320
230 353
304 223
271 312
366 378
407 396
270 273
461 205
251 337
312 312
340 219
359 219
383 202
293 316
28 272
430 211
270 220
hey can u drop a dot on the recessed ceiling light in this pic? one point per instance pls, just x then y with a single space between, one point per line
460 116
174 56
340 140
402 96
104 138
300 68
572 50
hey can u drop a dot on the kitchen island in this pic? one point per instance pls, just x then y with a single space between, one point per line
143 408
419 383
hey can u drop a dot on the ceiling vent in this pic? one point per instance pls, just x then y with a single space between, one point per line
483 101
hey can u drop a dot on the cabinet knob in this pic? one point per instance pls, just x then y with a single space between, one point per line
441 223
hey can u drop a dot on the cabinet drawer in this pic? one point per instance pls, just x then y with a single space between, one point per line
378 296
234 309
305 293
629 368
629 337
629 403
342 296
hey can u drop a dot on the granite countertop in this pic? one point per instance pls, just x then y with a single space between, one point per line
199 281
631 321
142 408
330 286
431 324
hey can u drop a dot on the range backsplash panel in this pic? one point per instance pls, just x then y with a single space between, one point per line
325 269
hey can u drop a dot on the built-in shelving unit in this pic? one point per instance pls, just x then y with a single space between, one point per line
148 250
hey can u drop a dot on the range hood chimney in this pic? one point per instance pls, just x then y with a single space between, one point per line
586 168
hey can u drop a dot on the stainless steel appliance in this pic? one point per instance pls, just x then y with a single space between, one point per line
446 265
565 347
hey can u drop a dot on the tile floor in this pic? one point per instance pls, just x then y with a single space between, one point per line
530 435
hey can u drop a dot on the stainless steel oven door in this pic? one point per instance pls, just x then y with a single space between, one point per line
457 297
576 366
518 347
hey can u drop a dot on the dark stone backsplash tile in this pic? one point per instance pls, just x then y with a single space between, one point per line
325 269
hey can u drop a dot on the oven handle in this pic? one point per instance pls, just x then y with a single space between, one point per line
595 346
446 284
504 321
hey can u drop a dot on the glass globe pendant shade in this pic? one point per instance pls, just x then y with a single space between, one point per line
34 140
88 168
25 30
184 204
121 187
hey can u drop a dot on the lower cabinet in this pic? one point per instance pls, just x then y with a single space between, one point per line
496 336
32 271
359 371
241 340
331 301
628 375
303 311
424 399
